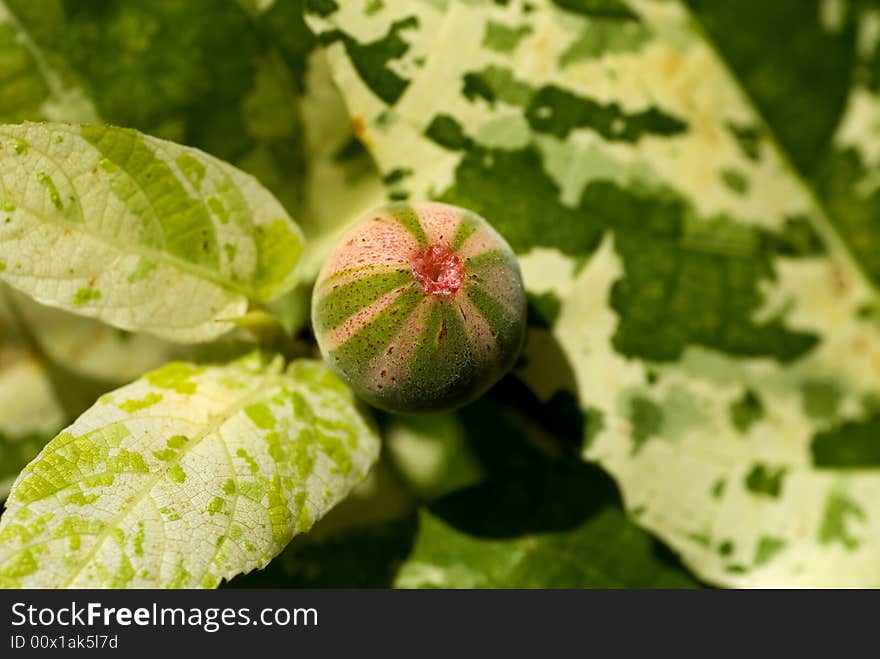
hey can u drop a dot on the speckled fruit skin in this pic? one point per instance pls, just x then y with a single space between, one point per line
420 307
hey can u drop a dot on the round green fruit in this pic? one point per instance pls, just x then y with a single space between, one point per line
420 307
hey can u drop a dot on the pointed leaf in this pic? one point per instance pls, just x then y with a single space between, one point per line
185 477
141 233
699 323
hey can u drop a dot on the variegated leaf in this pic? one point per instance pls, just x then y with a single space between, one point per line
141 233
185 477
829 63
268 106
700 318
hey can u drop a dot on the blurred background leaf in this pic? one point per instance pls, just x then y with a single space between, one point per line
700 262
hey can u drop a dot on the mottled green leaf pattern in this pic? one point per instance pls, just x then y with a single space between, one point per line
849 177
185 477
239 104
703 293
138 232
828 63
810 68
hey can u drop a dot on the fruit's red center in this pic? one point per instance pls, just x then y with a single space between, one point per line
438 270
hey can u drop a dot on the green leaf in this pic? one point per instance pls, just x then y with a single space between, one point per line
556 525
847 179
359 543
188 239
587 557
699 295
30 86
811 68
48 380
185 477
52 367
430 454
536 521
827 63
359 557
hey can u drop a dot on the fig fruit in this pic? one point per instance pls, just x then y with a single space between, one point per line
420 307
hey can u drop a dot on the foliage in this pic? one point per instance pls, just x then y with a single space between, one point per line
693 204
